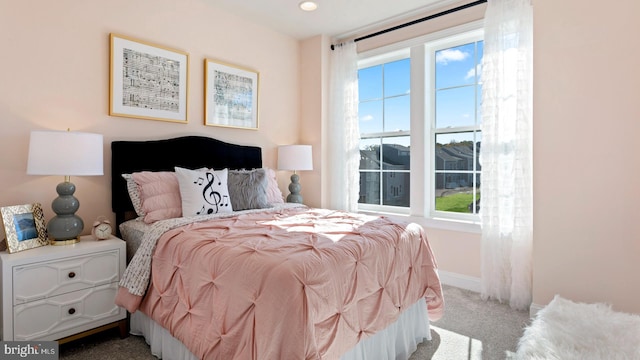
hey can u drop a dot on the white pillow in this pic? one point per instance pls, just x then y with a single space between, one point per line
203 191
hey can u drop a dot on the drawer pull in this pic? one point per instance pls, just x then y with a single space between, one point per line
72 311
72 275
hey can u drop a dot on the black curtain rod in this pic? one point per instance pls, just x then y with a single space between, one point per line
446 12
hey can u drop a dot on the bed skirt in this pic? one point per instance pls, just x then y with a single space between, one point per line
398 341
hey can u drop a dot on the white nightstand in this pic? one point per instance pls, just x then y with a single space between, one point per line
62 292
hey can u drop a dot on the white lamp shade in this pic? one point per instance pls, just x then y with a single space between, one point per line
65 153
295 157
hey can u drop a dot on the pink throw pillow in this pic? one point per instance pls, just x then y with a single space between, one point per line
274 195
159 195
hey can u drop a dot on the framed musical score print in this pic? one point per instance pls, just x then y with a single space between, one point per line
147 81
231 95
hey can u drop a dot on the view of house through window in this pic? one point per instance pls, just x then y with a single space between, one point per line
452 121
456 130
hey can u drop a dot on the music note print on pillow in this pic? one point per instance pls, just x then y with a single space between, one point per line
203 192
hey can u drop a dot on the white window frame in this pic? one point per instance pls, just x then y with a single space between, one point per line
422 171
430 50
391 56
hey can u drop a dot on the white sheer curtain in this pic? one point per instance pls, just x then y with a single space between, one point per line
343 134
506 153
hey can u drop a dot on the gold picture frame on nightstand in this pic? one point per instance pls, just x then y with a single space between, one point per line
24 227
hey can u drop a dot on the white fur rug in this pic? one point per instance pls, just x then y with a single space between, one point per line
565 330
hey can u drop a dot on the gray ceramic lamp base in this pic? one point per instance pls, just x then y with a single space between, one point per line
65 227
295 188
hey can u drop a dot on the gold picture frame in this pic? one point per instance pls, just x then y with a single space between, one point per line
147 81
24 227
230 95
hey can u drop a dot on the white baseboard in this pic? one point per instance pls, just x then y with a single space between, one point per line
473 284
460 281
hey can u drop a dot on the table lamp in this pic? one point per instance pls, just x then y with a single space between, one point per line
296 158
65 153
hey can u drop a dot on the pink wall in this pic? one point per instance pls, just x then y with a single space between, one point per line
54 74
586 163
314 70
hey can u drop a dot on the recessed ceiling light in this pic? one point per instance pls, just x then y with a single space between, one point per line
308 5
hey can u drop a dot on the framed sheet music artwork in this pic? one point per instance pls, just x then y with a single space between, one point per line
147 81
24 227
231 95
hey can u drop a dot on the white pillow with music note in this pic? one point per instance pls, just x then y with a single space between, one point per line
203 192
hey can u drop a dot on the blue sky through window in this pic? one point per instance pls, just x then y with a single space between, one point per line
457 76
384 90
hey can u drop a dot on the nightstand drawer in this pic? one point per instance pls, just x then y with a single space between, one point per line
47 279
62 315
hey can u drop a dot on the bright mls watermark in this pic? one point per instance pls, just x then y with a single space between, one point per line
42 350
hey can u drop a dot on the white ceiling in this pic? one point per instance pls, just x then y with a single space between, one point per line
333 17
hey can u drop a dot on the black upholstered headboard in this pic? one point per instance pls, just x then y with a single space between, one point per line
190 152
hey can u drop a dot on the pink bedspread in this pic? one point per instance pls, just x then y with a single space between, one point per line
293 284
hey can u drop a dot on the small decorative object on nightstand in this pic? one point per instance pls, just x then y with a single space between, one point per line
295 157
101 229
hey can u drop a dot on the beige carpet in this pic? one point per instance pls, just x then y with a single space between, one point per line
471 329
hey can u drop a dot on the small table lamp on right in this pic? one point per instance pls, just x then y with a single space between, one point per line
296 158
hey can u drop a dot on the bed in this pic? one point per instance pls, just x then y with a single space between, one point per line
247 276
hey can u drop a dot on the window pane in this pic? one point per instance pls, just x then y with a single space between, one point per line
397 78
478 144
456 107
479 55
384 113
457 181
370 114
370 154
455 151
479 106
455 66
456 199
396 153
369 188
476 209
370 83
397 114
456 191
396 189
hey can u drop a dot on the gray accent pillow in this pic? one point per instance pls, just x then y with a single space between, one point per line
248 189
